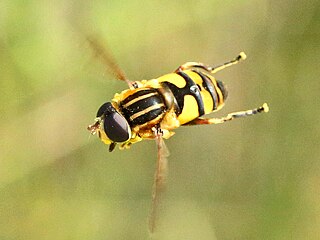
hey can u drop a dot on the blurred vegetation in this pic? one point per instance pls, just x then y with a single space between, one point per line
255 178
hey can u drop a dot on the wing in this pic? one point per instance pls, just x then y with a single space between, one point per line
159 180
106 56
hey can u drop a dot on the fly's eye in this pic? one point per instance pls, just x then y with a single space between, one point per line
104 108
223 89
115 125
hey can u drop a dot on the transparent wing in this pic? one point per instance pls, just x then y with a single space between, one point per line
159 180
107 58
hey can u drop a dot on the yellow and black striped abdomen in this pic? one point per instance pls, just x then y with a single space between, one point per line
196 93
143 106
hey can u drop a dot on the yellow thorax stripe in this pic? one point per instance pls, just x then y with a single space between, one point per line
139 98
138 114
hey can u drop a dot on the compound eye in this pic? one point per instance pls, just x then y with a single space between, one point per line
116 127
103 109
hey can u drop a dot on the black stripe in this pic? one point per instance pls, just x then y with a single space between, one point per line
191 88
141 105
129 110
147 117
207 84
138 94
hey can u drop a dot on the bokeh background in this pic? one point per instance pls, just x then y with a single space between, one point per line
254 178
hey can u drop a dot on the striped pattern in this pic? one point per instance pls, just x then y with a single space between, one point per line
193 93
190 88
208 85
142 107
196 93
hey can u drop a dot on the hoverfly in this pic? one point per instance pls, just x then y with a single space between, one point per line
151 109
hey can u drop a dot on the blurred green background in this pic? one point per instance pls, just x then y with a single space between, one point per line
254 178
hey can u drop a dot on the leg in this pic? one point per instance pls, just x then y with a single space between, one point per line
190 65
241 56
230 116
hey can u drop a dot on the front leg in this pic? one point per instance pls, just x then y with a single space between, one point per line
154 133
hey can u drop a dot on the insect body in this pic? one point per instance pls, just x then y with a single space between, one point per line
152 109
163 104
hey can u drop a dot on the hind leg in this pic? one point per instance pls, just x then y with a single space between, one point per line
230 116
195 65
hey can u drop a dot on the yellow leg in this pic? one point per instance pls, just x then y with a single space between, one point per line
230 116
190 65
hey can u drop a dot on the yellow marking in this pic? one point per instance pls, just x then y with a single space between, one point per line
138 99
103 136
265 107
243 56
194 76
207 101
205 95
189 111
170 120
138 114
173 78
